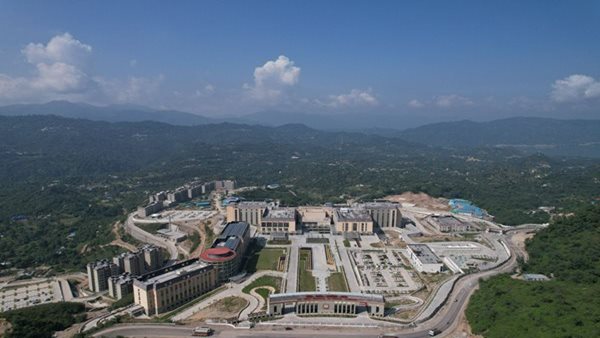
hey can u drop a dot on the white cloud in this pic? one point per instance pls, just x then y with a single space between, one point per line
61 48
576 87
356 97
452 100
273 77
416 103
62 72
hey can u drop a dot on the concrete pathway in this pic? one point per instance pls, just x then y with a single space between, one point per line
234 290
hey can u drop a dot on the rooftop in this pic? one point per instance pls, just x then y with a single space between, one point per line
424 253
237 229
176 271
353 215
219 254
288 214
379 205
252 204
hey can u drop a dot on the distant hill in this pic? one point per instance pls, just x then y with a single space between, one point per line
530 134
112 113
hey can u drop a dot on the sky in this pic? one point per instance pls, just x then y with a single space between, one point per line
439 60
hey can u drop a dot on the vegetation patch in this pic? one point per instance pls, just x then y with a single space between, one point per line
264 259
274 282
337 282
567 306
42 321
306 280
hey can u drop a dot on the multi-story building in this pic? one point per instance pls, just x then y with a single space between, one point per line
451 224
208 187
228 249
168 288
153 258
279 219
137 263
424 259
316 219
246 211
179 195
120 286
98 274
225 185
384 214
352 220
152 208
131 262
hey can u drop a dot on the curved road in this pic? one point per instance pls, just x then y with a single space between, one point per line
147 237
445 319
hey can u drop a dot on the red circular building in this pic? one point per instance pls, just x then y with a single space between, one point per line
223 259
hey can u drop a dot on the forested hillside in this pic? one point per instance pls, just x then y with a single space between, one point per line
71 179
566 306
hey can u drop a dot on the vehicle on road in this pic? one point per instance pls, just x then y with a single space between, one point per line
434 332
387 335
202 331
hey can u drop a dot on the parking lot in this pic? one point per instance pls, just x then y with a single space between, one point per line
382 271
22 294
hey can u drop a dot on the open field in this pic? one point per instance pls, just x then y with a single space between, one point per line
337 282
224 308
306 280
265 259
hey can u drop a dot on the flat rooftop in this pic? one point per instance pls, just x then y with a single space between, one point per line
173 274
236 229
252 204
379 205
449 221
353 215
424 253
283 214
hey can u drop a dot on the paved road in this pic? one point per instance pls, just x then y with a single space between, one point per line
445 319
292 273
147 237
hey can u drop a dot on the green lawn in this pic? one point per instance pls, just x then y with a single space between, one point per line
337 282
306 281
275 282
264 259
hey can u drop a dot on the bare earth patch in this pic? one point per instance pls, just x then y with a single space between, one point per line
224 308
421 200
4 327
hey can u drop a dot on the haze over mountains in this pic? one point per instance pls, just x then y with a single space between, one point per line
530 134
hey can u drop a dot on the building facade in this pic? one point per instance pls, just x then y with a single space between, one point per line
168 288
98 274
279 220
352 220
120 286
384 214
246 211
326 303
424 259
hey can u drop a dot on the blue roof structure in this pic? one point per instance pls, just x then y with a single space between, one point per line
460 206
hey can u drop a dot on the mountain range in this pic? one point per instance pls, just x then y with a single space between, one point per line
528 134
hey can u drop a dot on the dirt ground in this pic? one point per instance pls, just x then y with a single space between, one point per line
519 240
4 327
421 200
224 308
394 239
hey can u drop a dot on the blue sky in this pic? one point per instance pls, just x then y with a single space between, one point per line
441 59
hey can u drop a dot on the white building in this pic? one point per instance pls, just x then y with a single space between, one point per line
424 259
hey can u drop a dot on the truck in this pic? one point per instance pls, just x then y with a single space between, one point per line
202 331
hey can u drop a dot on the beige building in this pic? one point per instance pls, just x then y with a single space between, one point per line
384 214
168 288
326 303
120 286
352 220
98 274
246 211
279 220
316 219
